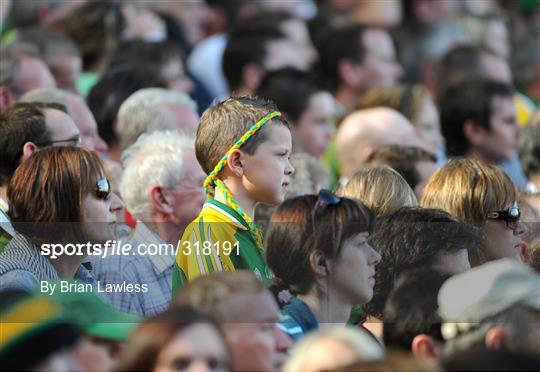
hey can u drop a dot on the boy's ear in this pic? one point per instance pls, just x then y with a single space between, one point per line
424 347
234 163
495 338
473 132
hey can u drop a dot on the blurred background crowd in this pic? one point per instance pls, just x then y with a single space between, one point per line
426 111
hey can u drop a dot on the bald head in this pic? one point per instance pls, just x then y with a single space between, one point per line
77 109
363 131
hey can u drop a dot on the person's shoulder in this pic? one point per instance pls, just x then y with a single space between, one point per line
18 279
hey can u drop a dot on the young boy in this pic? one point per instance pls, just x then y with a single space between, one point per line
243 144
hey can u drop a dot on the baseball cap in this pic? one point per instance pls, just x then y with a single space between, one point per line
95 317
485 291
32 328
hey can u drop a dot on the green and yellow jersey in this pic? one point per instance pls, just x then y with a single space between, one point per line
219 239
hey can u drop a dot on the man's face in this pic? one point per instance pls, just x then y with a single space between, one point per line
84 119
188 195
425 169
315 128
33 74
255 341
380 61
499 142
66 70
61 128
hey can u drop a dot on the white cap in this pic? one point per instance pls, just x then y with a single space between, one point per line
485 291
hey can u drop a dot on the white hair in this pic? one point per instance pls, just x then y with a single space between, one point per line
145 111
154 159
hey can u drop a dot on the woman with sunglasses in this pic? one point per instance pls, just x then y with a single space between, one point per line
318 250
484 196
59 196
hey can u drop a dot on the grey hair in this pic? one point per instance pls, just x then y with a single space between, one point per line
145 111
156 158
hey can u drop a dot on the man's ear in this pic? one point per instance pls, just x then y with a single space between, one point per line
234 163
495 338
349 73
252 75
159 201
7 99
424 347
28 149
318 263
473 132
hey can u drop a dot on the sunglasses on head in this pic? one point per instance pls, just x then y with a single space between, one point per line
103 189
511 216
325 199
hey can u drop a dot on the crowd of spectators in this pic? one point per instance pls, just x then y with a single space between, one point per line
264 185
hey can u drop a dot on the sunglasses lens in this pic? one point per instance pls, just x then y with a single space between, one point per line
513 213
103 188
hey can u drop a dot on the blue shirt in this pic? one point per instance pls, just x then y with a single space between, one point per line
153 271
22 267
296 319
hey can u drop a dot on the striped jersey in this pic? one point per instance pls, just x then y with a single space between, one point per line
219 239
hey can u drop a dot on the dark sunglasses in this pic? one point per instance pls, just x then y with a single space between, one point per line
103 189
325 199
511 216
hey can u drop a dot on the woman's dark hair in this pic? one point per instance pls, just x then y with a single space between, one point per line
150 338
294 235
49 187
290 89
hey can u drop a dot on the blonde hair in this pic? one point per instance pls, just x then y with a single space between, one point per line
365 347
381 189
468 190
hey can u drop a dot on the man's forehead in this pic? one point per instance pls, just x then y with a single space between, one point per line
253 306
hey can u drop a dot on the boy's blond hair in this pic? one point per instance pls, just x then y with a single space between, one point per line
222 125
381 189
468 190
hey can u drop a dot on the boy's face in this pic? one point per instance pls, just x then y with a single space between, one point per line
267 172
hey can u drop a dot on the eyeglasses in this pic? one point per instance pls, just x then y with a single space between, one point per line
325 199
103 189
511 216
72 141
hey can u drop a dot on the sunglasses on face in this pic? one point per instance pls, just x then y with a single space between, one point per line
103 189
511 216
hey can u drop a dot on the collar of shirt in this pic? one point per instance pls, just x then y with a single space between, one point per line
4 206
227 213
144 234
